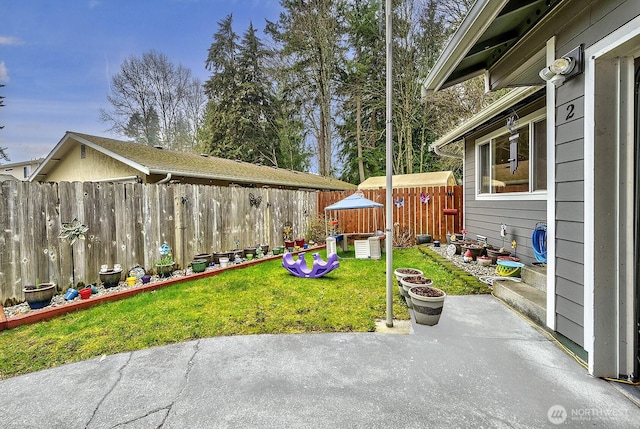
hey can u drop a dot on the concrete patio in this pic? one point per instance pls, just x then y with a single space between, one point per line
481 366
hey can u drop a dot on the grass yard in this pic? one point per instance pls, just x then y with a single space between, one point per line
259 299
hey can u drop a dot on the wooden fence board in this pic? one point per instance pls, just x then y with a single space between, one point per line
416 216
128 223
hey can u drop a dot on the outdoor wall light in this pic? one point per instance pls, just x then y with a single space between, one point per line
563 68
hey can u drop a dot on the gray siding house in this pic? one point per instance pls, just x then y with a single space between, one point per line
575 65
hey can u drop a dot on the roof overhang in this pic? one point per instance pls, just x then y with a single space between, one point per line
490 29
507 102
64 145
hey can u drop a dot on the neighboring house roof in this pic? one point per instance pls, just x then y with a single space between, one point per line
490 30
434 178
151 160
506 103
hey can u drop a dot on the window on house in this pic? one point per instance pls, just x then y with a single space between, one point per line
26 171
494 162
83 151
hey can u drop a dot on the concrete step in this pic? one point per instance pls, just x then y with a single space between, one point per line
535 276
528 300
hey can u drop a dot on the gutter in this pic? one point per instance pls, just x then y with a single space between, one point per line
504 103
119 179
438 151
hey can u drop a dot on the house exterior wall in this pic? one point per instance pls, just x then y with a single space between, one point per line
592 23
19 169
94 166
484 217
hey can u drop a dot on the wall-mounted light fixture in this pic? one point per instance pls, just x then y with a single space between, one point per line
563 68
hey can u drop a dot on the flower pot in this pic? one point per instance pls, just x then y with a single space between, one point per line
484 261
164 270
474 249
39 297
207 257
110 278
494 253
265 248
85 293
423 238
70 294
509 268
411 282
405 272
427 304
278 250
215 256
198 266
94 289
224 261
299 242
288 244
131 281
249 251
146 279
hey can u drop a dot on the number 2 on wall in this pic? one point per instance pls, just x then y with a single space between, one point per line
570 109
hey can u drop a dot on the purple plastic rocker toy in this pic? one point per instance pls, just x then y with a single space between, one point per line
299 267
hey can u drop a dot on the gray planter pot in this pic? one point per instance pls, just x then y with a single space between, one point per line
427 310
407 285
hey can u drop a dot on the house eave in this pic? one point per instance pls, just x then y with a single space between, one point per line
478 19
500 105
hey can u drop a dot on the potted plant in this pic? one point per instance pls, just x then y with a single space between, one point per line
110 277
164 265
413 281
287 236
71 232
39 295
405 272
427 304
199 265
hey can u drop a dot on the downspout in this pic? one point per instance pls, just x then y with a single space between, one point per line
165 180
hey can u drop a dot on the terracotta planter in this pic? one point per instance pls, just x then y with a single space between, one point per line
428 303
39 297
110 278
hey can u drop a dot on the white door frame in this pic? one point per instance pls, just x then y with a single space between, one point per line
608 134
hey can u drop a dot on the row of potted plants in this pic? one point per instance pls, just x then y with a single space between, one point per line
426 301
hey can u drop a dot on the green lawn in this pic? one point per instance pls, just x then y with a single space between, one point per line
259 299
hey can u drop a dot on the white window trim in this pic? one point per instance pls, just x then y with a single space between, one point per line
529 196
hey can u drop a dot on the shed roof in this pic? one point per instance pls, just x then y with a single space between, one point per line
434 178
151 160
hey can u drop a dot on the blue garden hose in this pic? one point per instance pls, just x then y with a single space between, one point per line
539 242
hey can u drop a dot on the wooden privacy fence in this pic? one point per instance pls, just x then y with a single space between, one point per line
419 210
128 223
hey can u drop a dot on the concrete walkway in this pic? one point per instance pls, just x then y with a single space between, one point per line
482 366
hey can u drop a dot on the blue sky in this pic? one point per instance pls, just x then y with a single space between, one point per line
57 57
